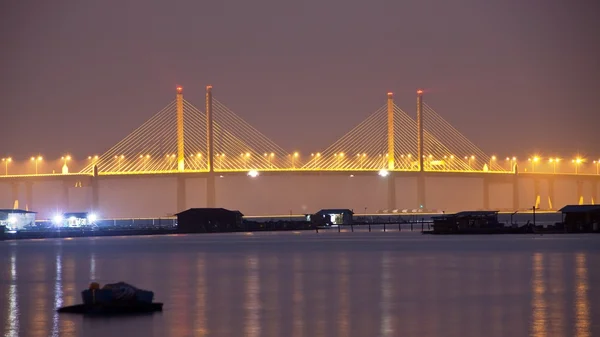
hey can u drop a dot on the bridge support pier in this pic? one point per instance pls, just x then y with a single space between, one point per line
65 196
211 191
391 199
28 196
516 201
421 198
551 199
580 192
95 194
536 192
15 193
181 193
486 193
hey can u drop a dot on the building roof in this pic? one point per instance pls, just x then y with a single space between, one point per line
15 211
580 208
335 210
208 210
476 213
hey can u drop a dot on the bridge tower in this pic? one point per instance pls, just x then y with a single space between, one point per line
209 129
390 114
180 149
420 142
421 198
211 190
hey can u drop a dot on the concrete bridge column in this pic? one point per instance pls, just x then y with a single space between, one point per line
181 193
95 194
28 195
486 193
536 192
15 193
421 197
391 199
516 201
579 192
65 196
211 190
95 190
551 199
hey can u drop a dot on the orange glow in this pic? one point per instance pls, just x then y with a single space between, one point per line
179 89
419 92
390 94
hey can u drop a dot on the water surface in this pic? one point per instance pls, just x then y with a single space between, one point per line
308 284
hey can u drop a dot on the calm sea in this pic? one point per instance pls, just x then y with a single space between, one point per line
309 284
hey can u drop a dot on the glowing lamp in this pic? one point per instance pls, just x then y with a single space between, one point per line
92 217
383 173
58 219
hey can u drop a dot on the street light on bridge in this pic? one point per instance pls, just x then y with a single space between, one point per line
533 161
36 160
6 161
577 161
597 162
469 159
492 159
554 161
119 159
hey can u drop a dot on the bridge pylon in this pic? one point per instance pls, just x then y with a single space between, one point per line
390 125
209 129
211 190
180 147
420 141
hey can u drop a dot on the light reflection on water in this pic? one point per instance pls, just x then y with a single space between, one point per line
582 306
298 297
12 320
285 284
253 307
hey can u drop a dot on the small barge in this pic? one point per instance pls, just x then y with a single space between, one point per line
473 222
114 299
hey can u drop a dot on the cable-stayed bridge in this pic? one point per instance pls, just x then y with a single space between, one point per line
390 161
176 139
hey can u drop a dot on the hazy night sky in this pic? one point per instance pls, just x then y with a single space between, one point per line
517 77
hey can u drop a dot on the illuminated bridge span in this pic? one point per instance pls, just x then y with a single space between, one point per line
423 163
182 138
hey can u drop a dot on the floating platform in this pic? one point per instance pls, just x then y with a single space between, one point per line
113 309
